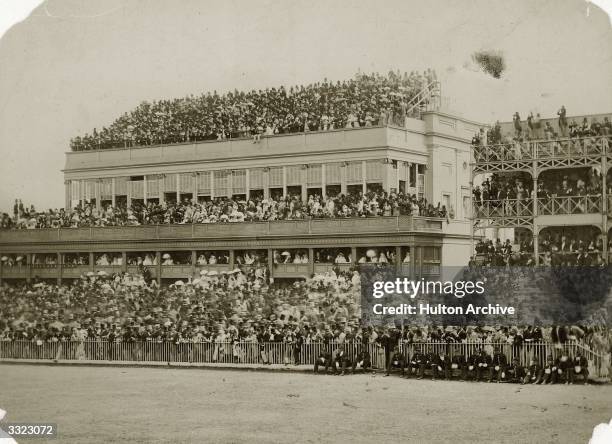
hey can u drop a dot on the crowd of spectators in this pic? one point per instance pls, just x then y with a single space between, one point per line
225 210
533 128
365 100
512 193
223 307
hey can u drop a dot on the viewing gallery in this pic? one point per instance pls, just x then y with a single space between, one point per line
335 198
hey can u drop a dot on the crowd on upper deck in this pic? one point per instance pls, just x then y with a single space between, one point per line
536 128
225 210
366 100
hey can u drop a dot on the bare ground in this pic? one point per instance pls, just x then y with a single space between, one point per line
109 404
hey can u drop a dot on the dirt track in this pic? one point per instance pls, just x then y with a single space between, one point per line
174 405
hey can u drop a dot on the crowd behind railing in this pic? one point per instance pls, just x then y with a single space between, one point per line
576 191
582 248
224 210
221 307
533 128
366 100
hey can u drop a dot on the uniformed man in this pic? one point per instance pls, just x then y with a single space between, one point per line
498 365
515 372
549 372
362 361
459 364
440 365
580 368
396 361
341 362
418 361
472 366
564 364
533 373
325 360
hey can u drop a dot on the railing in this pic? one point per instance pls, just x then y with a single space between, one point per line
220 230
543 149
571 257
570 205
244 352
525 352
490 209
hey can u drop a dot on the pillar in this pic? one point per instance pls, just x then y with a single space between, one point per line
98 193
159 266
266 183
129 193
92 263
364 171
271 264
60 266
398 260
68 195
113 192
124 264
178 187
82 192
304 174
29 265
194 184
604 208
343 168
284 181
194 258
161 187
311 262
354 257
323 181
535 234
145 189
212 185
247 183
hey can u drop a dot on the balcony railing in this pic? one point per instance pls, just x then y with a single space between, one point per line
491 209
543 149
226 230
570 205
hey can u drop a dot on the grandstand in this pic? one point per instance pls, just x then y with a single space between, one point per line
548 180
424 158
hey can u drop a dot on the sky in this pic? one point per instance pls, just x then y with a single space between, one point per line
68 66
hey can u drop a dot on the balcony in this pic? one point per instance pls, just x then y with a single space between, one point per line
176 271
553 153
291 270
322 268
508 208
570 205
354 226
44 271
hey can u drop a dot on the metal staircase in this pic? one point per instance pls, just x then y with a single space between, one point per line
428 99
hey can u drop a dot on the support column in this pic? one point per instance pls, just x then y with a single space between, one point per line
145 189
194 192
129 193
604 208
266 183
113 192
247 184
364 171
323 181
194 258
68 195
535 234
212 185
311 262
124 263
386 179
398 260
304 174
343 168
161 187
98 193
354 257
82 192
284 181
60 266
159 266
232 259
178 188
29 265
271 265
92 262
